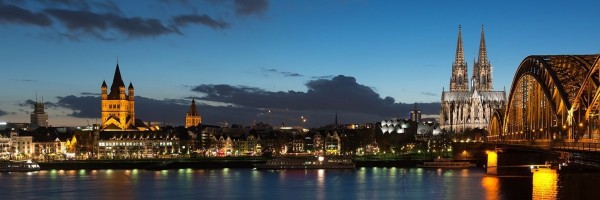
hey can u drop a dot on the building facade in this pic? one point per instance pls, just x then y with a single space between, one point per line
192 118
470 105
118 113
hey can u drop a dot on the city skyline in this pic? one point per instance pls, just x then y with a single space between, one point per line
240 59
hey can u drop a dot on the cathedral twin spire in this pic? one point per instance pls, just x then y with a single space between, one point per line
482 73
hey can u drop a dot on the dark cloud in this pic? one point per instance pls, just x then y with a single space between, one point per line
79 4
251 7
139 27
429 94
2 112
29 104
184 20
354 103
341 93
100 19
95 24
286 74
28 80
90 94
18 15
81 20
322 77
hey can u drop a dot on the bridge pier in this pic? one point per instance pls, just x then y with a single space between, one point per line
508 163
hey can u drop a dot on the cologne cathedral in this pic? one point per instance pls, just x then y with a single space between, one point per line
470 104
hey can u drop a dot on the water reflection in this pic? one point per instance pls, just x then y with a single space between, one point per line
363 183
545 184
491 185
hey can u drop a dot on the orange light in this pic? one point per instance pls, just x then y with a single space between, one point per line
545 184
492 162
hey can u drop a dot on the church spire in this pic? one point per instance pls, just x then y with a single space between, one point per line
483 75
459 80
117 83
192 118
482 50
460 55
193 111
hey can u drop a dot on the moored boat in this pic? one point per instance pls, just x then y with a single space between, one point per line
446 163
19 166
312 162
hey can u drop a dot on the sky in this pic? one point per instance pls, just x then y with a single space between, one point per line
365 60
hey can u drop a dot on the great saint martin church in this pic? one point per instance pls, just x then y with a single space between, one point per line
470 105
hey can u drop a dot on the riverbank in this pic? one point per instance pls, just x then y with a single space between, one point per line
194 164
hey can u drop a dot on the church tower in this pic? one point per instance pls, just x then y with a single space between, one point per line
117 106
192 118
482 72
39 117
459 80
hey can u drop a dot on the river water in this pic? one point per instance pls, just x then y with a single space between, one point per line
362 183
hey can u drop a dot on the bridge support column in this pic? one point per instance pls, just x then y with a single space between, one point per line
512 162
492 163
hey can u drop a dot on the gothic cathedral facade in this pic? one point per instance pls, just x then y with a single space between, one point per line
118 113
466 107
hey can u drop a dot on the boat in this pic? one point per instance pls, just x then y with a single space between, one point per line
312 162
159 166
19 166
446 163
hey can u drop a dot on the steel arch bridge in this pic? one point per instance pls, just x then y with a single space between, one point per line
552 97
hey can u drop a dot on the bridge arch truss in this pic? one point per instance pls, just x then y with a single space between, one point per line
552 97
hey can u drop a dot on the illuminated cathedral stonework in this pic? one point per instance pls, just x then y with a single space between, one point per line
118 113
464 108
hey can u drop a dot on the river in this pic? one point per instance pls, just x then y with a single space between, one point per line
362 183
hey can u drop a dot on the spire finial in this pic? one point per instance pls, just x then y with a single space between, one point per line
117 60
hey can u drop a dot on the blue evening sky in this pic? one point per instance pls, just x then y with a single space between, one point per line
401 49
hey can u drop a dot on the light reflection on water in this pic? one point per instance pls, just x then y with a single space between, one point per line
362 183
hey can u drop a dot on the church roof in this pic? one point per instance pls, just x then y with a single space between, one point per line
104 84
130 85
116 84
468 95
193 111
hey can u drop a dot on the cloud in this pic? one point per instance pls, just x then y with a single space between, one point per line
251 7
95 24
238 104
184 20
322 77
18 15
83 107
90 94
104 20
139 27
28 80
341 93
169 111
79 4
286 74
2 112
29 104
429 94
